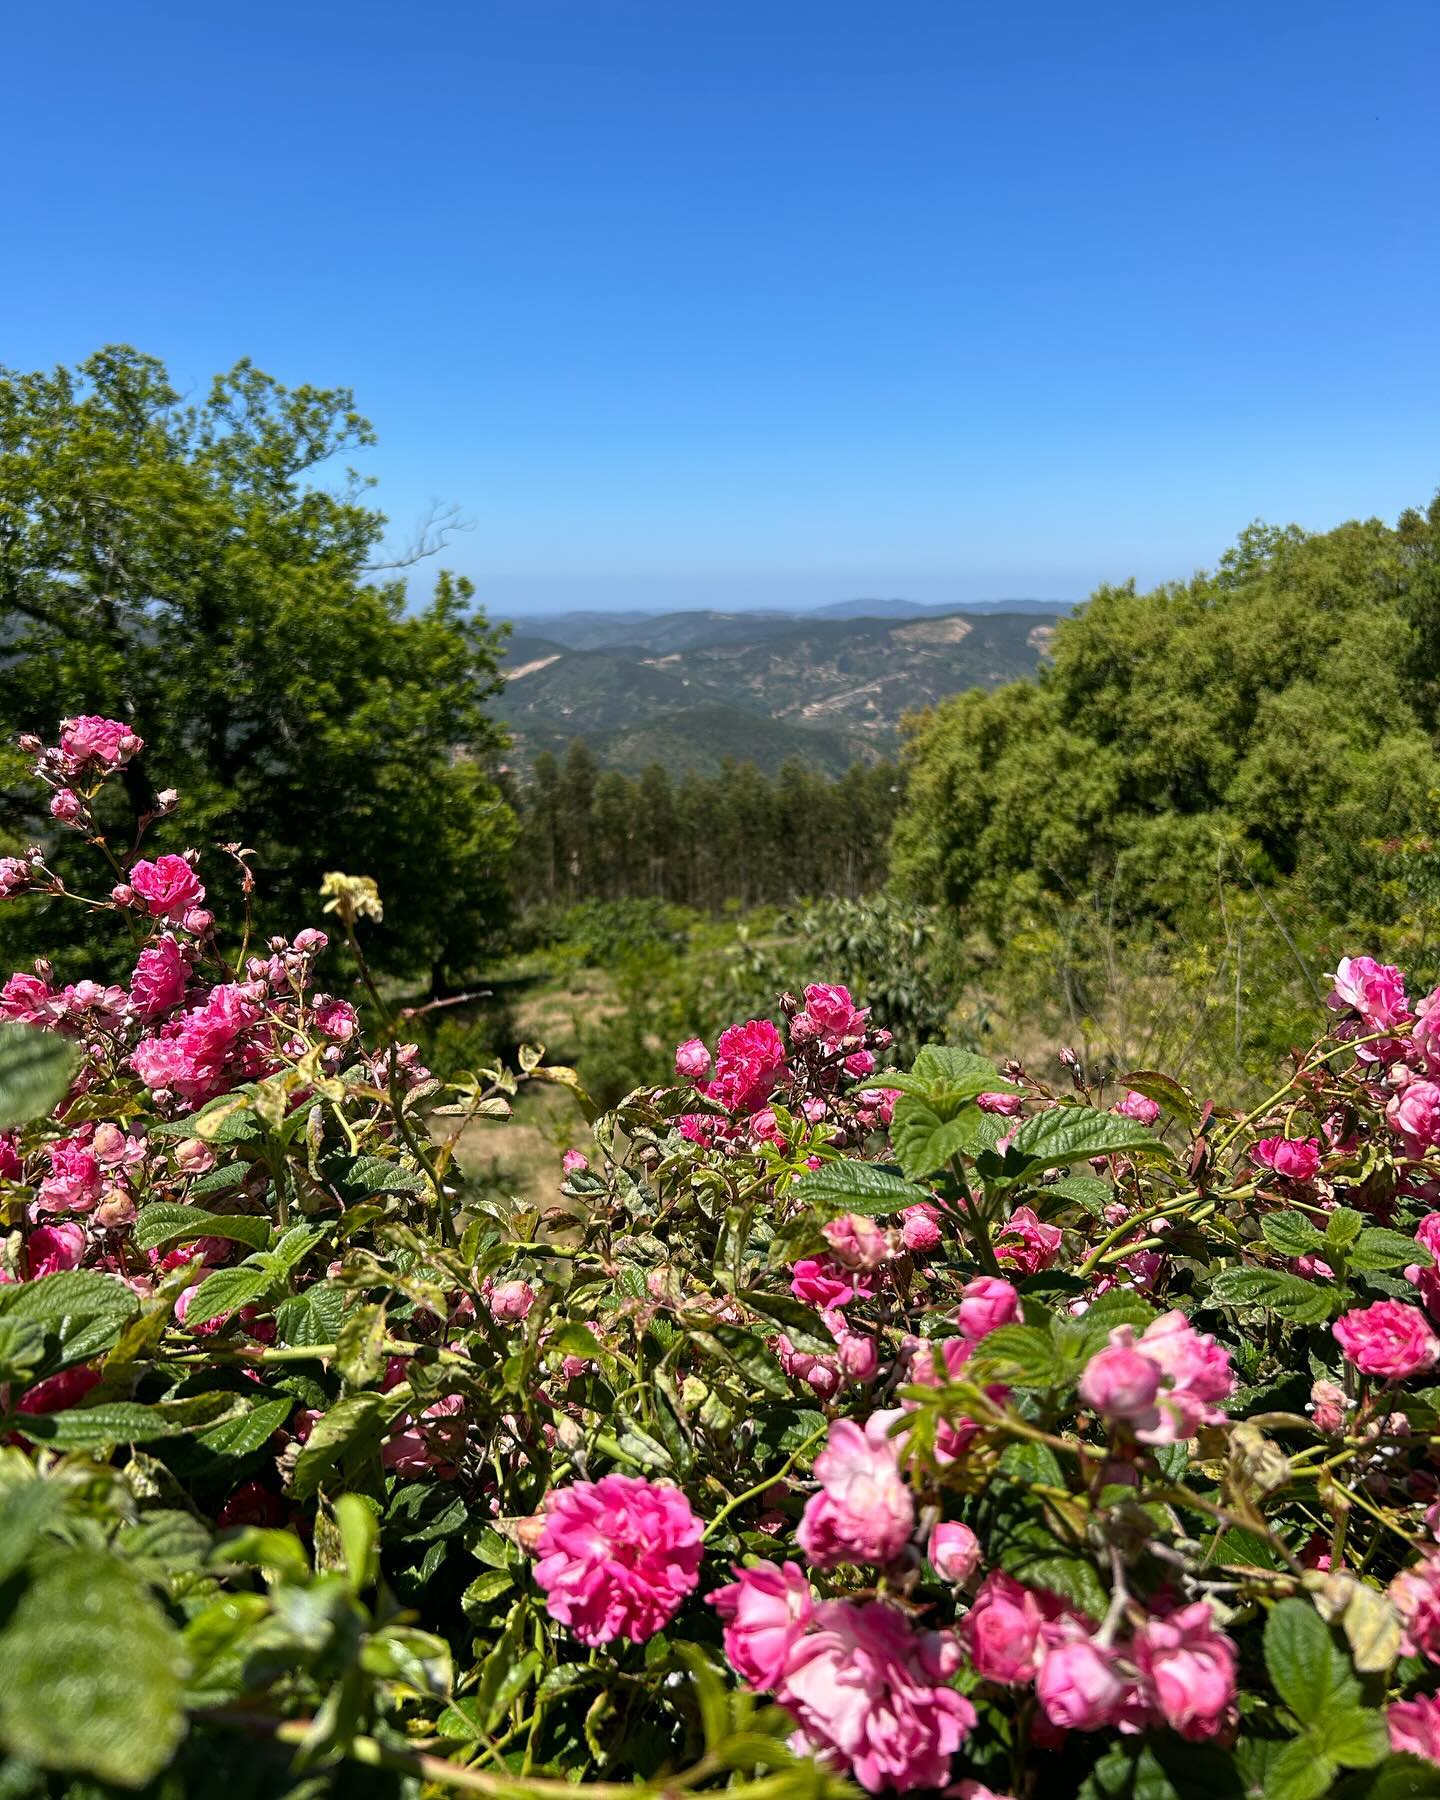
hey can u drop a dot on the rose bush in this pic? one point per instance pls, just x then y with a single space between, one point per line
836 1428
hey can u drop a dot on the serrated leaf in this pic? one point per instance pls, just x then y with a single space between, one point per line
1291 1234
1086 1191
857 1187
1309 1671
360 1346
226 1291
91 1673
167 1222
1069 1134
1165 1091
312 1317
69 1294
121 1422
36 1069
1343 1226
1301 1771
1380 1248
1275 1291
1355 1736
1022 1356
350 1432
248 1431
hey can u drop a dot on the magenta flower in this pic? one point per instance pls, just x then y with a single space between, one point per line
1297 1159
1375 990
168 886
1389 1339
1414 1727
749 1061
1138 1107
692 1060
831 1015
158 984
107 743
1026 1244
987 1303
617 1557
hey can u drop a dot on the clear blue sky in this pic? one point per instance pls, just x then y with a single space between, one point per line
769 301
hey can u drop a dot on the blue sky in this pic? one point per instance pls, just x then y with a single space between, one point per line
769 302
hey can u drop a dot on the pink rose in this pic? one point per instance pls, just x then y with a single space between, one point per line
1416 1594
873 1693
15 876
75 1180
1375 990
1120 1382
1026 1244
920 1228
1079 1687
1327 1406
1187 1669
429 1445
1389 1339
863 1512
509 1301
987 1303
1297 1159
1138 1107
819 1373
1006 1105
333 1018
766 1610
749 1061
617 1557
858 1242
1414 1115
158 984
11 1168
833 1015
692 1060
29 1000
66 806
954 1552
168 886
574 1162
91 739
823 1283
1414 1727
953 1436
51 1248
1002 1630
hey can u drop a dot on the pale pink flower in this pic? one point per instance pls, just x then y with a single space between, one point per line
617 1557
819 1373
1327 1406
872 1694
858 1355
193 1156
920 1228
1187 1670
168 886
509 1301
1389 1339
692 1060
29 1000
1079 1686
333 1018
1026 1244
1375 990
863 1512
858 1242
1007 1106
1416 1594
66 806
574 1162
954 1551
1001 1631
953 1436
1414 1115
75 1180
1120 1382
987 1303
766 1610
15 876
1138 1107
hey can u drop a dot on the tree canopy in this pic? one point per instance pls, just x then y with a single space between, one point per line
187 566
1272 723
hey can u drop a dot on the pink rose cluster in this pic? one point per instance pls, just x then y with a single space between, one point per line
1163 1385
870 1693
1297 1159
1389 1339
1178 1669
92 745
618 1556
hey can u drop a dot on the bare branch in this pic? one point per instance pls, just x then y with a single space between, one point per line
431 535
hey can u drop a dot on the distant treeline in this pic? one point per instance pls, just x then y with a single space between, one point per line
588 833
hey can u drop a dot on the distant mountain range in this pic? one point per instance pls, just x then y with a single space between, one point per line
691 689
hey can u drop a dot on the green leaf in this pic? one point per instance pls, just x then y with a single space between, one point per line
166 1222
359 1177
1165 1091
22 1348
248 1431
25 1510
360 1346
312 1317
1301 1771
1071 1134
753 1359
121 1422
1275 1291
1022 1356
36 1069
857 1187
1355 1736
225 1292
1291 1234
1310 1672
1343 1227
91 1673
949 1064
69 1294
925 1140
1163 1768
349 1433
801 1323
1086 1191
1379 1248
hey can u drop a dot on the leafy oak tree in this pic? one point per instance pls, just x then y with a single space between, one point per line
197 569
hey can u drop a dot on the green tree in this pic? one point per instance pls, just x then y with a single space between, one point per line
186 567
